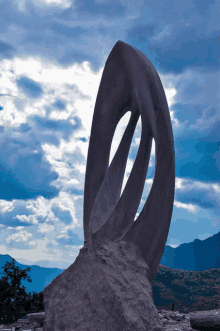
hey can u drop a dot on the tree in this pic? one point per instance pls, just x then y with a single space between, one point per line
37 302
14 301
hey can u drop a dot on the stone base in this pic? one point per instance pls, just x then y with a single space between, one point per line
104 290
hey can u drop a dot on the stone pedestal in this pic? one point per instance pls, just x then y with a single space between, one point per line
105 290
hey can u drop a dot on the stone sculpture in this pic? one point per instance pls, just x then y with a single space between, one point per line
129 83
108 287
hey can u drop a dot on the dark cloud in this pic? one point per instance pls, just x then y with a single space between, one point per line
111 8
29 87
80 41
76 192
188 112
63 126
63 215
82 139
206 198
203 8
51 139
6 50
24 128
71 239
188 50
16 185
60 104
25 174
68 32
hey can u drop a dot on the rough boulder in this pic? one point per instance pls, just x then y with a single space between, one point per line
103 290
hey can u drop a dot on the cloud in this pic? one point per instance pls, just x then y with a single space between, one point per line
201 194
60 104
25 173
28 86
6 50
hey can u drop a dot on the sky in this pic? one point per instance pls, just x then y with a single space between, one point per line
52 56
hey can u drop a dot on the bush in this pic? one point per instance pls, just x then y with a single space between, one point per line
15 303
36 302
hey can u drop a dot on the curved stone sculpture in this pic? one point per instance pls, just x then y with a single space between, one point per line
129 83
108 287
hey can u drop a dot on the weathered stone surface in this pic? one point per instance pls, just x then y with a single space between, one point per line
103 290
206 322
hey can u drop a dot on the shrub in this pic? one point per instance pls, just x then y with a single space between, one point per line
15 303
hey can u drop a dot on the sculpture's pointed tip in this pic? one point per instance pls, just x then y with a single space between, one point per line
119 43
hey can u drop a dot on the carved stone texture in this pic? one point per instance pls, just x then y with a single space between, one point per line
103 290
129 83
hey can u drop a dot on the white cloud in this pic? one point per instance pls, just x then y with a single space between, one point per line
192 209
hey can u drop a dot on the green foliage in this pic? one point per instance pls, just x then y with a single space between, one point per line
37 302
188 290
15 303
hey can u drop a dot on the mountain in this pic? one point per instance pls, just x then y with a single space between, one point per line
189 291
40 276
198 255
195 256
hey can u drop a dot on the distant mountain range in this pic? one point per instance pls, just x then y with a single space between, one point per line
195 256
40 276
198 255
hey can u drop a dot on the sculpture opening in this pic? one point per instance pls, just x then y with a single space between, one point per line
118 134
148 181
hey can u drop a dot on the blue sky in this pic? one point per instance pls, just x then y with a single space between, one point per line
52 55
